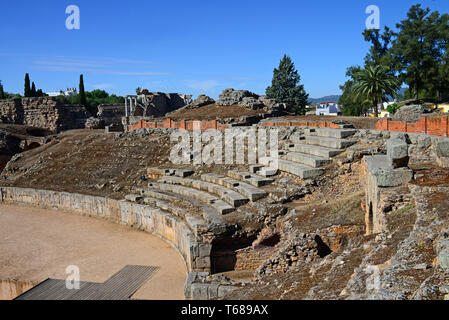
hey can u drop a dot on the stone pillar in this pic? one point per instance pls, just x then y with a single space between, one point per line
126 106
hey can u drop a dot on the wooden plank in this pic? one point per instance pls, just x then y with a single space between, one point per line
121 286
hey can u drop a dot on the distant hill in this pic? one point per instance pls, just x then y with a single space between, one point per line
326 98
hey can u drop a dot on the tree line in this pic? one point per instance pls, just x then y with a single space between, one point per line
416 54
30 90
90 100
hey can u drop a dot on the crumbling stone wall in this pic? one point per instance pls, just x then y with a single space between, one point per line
384 173
158 104
111 114
43 112
248 99
250 259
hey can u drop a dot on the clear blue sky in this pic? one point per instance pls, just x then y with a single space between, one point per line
187 46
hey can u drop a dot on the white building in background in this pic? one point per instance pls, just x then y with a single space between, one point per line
327 108
67 92
386 104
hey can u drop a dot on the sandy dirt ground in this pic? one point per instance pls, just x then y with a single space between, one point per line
36 244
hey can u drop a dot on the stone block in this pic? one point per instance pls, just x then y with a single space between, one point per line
183 173
393 177
212 290
424 142
133 197
397 152
268 172
204 250
442 149
255 168
199 291
333 143
224 290
202 262
401 136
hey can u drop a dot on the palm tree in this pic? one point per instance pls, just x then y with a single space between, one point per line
375 82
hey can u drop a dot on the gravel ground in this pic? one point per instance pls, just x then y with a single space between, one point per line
37 244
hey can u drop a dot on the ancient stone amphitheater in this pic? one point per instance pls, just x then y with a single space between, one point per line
346 214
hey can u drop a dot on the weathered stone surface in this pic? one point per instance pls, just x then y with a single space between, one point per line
158 104
252 103
94 123
251 192
397 152
386 176
133 197
424 142
235 199
334 133
219 205
307 159
255 168
319 151
183 172
250 178
329 142
43 112
111 115
297 169
401 136
409 113
250 100
231 97
201 101
442 149
268 172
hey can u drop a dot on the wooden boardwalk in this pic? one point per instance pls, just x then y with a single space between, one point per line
121 286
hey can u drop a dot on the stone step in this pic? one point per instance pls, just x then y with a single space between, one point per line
209 214
315 150
133 197
267 172
195 223
334 133
158 172
307 159
251 178
234 198
329 142
218 204
149 193
297 138
251 192
300 170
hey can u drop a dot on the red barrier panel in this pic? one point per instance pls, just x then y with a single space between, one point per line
437 126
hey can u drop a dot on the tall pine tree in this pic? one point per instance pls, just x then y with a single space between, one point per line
285 87
380 45
412 51
82 94
27 89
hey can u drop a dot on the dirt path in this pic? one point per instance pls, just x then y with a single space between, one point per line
37 244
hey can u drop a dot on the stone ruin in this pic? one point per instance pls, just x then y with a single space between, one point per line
43 112
384 172
154 104
201 101
230 97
